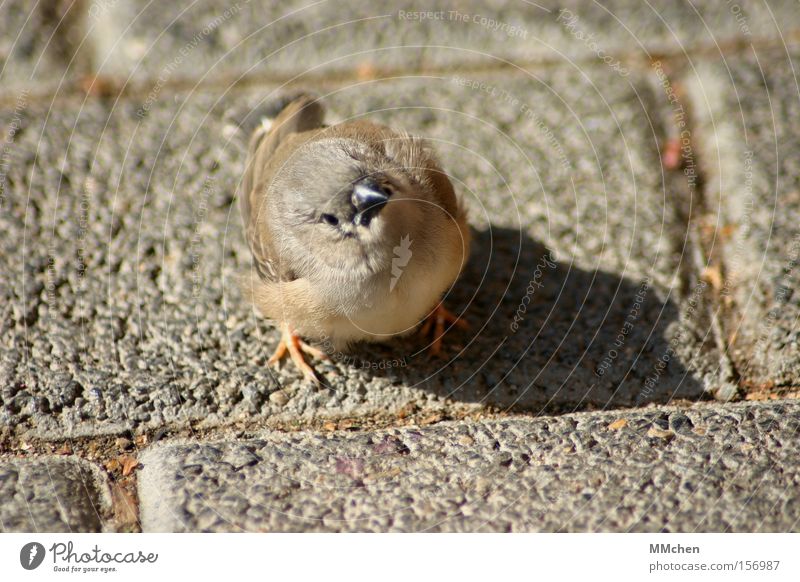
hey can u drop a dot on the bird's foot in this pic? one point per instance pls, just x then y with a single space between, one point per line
291 343
436 322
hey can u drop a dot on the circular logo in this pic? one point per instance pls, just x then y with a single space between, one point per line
31 555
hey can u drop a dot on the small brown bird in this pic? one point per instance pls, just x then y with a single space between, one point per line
355 230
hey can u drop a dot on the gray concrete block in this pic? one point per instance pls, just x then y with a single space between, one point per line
188 40
52 494
124 248
720 468
747 111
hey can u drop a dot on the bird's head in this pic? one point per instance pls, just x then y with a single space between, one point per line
348 203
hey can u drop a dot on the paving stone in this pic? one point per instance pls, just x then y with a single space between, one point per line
120 307
721 468
124 309
748 111
52 494
37 43
224 40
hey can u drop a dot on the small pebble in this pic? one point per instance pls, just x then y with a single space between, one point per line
123 443
660 433
279 398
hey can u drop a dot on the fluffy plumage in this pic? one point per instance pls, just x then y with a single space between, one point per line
333 214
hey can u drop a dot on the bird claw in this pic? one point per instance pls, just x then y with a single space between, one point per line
436 321
290 342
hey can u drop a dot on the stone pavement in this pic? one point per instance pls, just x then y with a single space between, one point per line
59 494
631 177
664 470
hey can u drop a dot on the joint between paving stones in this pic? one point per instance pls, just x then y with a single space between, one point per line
76 54
691 208
702 270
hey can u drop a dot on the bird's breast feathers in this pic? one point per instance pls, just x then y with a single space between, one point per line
390 304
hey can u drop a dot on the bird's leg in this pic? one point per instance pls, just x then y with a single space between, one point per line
291 342
436 321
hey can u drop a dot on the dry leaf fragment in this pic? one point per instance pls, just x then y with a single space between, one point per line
366 71
713 276
408 410
99 86
128 464
432 419
347 424
727 230
125 508
618 424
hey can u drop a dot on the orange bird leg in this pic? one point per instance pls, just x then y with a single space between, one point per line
291 342
436 321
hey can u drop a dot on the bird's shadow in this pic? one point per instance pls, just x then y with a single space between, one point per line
546 335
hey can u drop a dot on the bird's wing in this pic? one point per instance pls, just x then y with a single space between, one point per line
302 114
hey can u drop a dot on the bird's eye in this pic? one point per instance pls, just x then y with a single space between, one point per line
329 219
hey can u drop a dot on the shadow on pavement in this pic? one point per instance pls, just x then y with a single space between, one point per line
546 335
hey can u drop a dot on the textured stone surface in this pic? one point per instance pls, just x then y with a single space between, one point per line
189 40
124 245
708 469
748 113
37 42
121 246
51 494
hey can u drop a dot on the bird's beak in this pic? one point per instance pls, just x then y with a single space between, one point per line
368 198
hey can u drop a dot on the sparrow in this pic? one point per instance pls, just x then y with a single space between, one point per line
355 231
